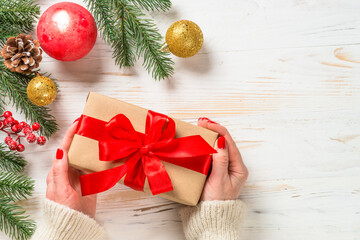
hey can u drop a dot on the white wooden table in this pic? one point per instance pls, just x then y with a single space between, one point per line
283 76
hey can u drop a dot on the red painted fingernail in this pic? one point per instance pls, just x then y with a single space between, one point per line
205 118
221 142
59 154
76 119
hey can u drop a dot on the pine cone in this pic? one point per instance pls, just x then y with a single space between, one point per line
22 54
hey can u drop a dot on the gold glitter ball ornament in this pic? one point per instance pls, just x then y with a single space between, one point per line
184 38
41 91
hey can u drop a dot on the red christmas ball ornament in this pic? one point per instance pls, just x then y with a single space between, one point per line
67 31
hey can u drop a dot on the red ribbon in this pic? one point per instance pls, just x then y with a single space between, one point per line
143 152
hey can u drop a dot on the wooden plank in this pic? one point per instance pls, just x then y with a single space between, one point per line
282 76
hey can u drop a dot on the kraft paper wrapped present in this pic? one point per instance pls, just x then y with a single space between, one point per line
119 142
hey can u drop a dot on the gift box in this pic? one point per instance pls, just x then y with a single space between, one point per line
119 142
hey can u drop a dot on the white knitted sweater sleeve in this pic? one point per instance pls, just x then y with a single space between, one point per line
62 223
212 220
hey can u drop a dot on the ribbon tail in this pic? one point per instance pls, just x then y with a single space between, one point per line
101 181
159 180
135 178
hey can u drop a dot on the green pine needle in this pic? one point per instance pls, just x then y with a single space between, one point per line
13 221
15 187
17 16
131 34
148 41
2 103
152 5
113 31
10 160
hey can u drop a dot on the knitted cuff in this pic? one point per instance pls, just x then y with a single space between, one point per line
213 220
62 223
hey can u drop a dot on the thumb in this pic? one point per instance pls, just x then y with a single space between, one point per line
60 169
220 160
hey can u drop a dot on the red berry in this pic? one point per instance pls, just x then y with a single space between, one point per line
31 138
20 148
0 124
7 114
15 128
41 140
36 126
27 130
16 122
23 125
7 140
12 145
9 121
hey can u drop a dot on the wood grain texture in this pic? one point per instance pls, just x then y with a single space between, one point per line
282 76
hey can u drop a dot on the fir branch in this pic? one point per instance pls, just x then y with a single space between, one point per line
14 86
126 43
17 16
15 187
125 28
13 221
2 103
10 160
114 31
148 40
152 5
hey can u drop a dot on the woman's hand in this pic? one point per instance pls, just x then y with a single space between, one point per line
63 182
229 173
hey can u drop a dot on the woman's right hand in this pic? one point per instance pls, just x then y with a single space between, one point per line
229 173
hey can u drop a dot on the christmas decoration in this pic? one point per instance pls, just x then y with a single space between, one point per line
14 222
184 38
13 85
13 187
19 130
110 140
22 54
67 31
41 140
16 17
41 90
132 34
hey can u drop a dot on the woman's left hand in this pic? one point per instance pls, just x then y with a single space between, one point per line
63 182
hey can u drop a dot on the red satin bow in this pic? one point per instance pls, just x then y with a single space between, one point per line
143 152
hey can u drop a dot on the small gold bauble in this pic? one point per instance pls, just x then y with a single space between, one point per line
41 91
184 38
